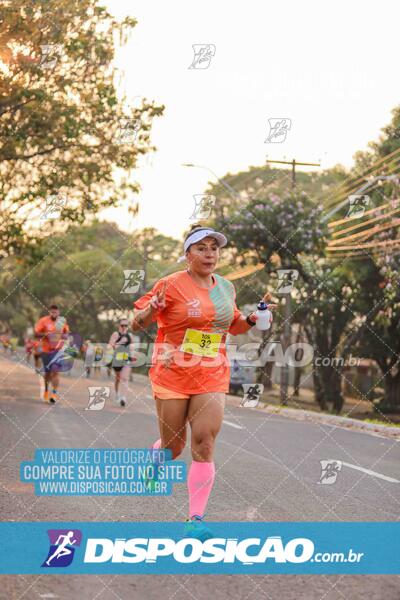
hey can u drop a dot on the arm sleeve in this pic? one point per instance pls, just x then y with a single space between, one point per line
142 302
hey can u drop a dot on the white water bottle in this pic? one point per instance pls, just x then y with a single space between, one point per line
264 316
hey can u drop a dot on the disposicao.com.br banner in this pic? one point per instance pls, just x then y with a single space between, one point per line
235 548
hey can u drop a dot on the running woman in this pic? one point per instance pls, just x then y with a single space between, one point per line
121 343
194 309
51 331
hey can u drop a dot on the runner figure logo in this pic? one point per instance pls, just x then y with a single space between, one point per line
128 131
63 543
203 204
133 280
203 54
97 397
278 129
358 204
63 360
50 55
286 279
252 393
54 205
329 471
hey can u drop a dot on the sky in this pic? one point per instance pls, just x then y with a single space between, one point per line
331 68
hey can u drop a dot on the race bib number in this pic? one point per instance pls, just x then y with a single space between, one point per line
121 356
201 343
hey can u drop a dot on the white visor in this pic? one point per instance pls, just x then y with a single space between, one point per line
199 235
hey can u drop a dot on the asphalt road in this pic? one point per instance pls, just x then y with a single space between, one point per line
267 470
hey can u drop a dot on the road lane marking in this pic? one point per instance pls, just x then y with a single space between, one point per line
373 473
232 424
274 462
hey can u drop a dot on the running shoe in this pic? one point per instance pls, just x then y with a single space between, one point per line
151 481
53 397
122 401
196 528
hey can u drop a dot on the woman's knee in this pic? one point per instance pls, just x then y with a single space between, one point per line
203 444
176 443
176 447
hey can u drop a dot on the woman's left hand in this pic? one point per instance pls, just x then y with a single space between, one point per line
266 298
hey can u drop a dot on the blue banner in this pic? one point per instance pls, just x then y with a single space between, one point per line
103 472
232 548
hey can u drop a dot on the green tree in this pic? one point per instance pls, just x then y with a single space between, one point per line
378 272
82 269
62 116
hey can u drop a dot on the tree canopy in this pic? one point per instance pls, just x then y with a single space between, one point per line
63 121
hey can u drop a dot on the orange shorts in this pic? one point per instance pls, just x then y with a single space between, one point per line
165 394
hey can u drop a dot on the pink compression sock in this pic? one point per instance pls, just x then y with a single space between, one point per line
200 482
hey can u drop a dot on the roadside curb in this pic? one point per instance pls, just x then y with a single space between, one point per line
334 420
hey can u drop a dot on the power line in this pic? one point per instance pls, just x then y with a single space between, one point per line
356 183
294 164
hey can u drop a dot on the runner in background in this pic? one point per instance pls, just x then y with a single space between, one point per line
29 345
121 354
37 352
13 344
194 309
5 340
87 348
51 331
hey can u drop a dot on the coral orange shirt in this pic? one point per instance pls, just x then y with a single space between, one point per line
189 306
50 334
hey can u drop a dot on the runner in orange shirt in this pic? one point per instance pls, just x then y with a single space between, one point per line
195 309
29 346
37 351
51 331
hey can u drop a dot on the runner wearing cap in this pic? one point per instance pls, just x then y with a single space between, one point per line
121 345
195 309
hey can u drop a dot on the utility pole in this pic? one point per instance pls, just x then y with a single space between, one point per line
294 164
287 325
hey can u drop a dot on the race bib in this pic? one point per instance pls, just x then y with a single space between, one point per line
121 356
201 343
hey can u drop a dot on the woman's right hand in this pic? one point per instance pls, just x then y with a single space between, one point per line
158 302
